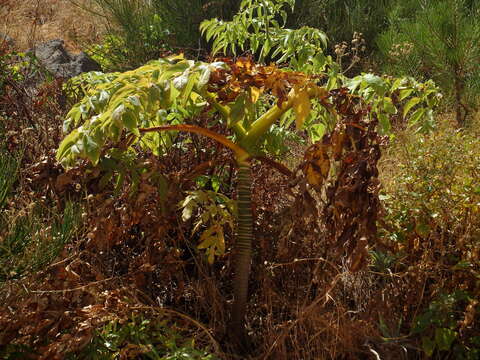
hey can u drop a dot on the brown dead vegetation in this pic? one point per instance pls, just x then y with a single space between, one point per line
32 21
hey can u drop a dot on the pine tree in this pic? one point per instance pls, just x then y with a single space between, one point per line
440 40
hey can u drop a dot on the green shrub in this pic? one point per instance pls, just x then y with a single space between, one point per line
183 17
136 34
111 54
439 329
142 30
434 185
143 339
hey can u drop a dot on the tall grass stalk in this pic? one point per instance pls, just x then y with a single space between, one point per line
29 244
9 167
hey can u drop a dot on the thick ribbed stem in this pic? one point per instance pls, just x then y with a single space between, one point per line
243 248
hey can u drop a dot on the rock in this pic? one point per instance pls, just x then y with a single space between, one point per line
58 61
51 53
4 38
83 63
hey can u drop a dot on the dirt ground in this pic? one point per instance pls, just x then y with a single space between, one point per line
33 21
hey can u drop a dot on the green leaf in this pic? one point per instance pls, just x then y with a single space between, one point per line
204 77
444 338
417 115
129 120
388 106
92 149
375 82
428 345
177 68
202 181
353 84
180 82
410 104
188 88
396 84
72 118
316 132
215 183
384 123
118 113
65 147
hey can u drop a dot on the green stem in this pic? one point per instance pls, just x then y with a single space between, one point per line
225 113
260 126
243 249
223 110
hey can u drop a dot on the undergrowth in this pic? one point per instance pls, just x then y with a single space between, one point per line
141 338
430 240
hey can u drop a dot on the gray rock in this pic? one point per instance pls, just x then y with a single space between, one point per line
52 53
79 64
58 61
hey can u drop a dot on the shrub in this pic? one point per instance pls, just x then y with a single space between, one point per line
31 105
430 238
135 34
142 30
183 17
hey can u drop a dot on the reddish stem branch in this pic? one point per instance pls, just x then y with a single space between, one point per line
240 153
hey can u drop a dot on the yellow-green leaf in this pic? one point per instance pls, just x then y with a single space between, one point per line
66 145
213 241
404 93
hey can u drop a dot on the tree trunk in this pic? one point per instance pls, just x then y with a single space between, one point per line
243 248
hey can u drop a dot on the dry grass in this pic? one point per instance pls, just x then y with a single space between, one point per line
33 21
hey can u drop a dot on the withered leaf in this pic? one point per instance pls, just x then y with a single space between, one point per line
317 164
